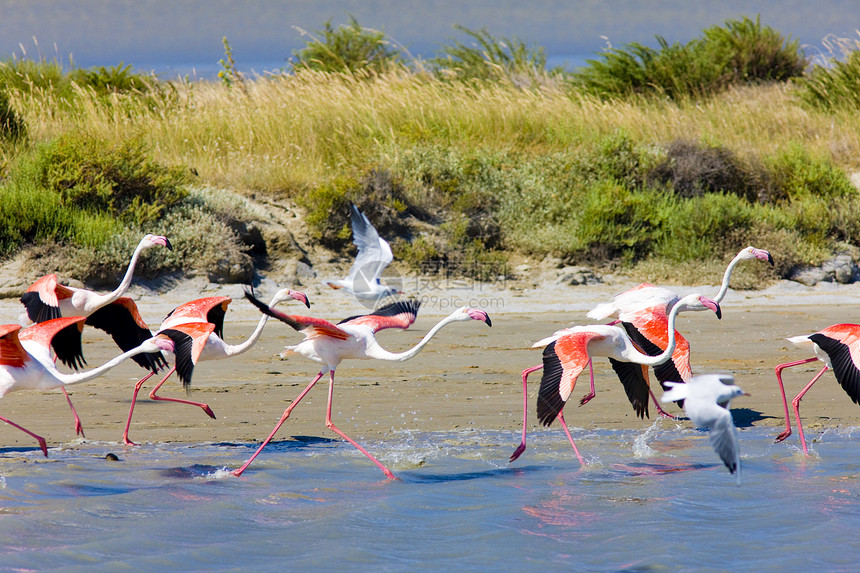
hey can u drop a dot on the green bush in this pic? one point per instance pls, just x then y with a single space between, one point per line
79 189
489 58
834 86
115 79
11 125
750 53
739 52
799 175
35 75
120 181
348 48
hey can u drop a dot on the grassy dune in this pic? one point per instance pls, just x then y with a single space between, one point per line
480 171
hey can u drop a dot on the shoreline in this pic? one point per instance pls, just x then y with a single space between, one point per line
467 377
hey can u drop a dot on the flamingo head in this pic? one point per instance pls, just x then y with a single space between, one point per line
760 254
151 240
467 313
699 302
286 294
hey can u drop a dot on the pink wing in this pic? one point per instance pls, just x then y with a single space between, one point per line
651 334
11 352
310 326
42 299
563 361
396 315
197 310
63 335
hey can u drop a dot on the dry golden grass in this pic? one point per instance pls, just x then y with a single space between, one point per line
286 132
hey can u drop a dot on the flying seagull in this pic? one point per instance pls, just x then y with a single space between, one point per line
706 402
374 255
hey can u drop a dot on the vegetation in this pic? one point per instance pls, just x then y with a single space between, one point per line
489 58
740 52
489 157
349 48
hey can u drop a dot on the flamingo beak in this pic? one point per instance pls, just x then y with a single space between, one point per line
764 256
301 297
712 305
163 241
480 315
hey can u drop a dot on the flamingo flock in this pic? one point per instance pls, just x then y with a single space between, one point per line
641 334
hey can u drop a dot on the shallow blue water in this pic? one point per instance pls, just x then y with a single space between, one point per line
658 500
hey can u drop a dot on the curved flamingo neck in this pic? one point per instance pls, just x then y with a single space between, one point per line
233 350
376 351
79 377
724 288
105 299
670 347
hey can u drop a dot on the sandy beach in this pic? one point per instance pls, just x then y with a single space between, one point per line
467 377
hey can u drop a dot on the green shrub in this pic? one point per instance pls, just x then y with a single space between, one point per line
115 79
35 75
11 125
348 48
835 86
799 175
489 58
79 189
121 181
750 53
739 52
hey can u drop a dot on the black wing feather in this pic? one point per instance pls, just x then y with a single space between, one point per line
117 321
67 346
37 310
634 383
183 344
393 309
663 372
549 402
216 317
843 366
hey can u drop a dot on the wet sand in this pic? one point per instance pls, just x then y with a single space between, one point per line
468 377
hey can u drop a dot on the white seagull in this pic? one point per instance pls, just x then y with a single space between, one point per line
374 255
706 402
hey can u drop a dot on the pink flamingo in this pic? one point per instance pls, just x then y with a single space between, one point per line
353 337
111 312
197 329
570 350
838 346
26 362
643 312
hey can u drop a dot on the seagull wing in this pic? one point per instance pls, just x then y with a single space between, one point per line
374 252
724 439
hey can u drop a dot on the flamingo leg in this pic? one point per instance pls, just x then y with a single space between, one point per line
330 425
796 404
200 405
570 438
660 410
787 432
79 429
283 419
587 398
137 386
40 439
522 447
